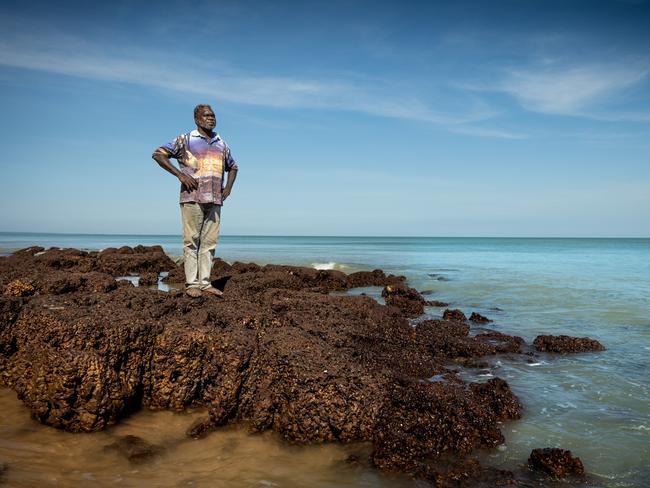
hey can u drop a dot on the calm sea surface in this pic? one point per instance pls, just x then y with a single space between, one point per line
597 404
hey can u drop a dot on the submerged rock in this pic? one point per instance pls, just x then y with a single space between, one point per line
555 462
566 344
135 449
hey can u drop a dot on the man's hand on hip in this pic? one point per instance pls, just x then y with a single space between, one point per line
188 182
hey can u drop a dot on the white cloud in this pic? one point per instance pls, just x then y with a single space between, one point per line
570 91
59 53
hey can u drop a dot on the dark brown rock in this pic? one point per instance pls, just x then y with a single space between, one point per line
175 275
148 279
555 462
454 315
436 303
477 318
405 298
450 339
373 278
566 344
424 421
502 343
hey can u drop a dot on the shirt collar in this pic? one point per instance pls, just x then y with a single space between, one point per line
196 133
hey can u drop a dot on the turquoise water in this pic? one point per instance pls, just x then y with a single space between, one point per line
597 405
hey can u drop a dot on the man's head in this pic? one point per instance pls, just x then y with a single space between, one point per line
204 117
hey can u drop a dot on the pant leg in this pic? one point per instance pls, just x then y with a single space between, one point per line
209 239
192 217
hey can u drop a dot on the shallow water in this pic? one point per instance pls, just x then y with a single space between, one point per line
597 404
42 456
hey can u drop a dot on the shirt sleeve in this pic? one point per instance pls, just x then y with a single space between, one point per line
230 161
175 147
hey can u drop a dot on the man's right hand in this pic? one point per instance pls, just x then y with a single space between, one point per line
188 182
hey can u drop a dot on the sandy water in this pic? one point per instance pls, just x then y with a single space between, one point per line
40 456
597 405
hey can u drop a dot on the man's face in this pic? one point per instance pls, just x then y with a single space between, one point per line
206 119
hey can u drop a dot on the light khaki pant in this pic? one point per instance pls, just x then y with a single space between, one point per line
201 223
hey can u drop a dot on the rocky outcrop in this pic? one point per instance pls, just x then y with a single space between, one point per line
454 315
405 298
566 344
278 352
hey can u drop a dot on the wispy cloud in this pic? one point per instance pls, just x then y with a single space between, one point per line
59 53
471 130
575 90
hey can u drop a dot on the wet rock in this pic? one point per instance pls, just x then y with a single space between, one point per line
497 396
454 315
466 473
135 449
405 298
436 303
502 343
566 344
431 420
555 462
477 318
450 338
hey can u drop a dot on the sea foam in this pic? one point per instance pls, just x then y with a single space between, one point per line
326 266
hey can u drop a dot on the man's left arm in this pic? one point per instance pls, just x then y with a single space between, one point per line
231 169
232 175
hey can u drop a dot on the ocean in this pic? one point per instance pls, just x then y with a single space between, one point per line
596 404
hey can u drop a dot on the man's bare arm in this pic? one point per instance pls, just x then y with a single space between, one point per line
161 156
232 175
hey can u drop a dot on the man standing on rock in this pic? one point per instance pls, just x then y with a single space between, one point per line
203 157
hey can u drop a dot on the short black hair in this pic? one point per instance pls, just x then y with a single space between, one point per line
200 107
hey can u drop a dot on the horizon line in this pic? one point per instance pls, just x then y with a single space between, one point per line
332 235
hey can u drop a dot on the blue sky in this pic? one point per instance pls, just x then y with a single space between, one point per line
511 118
